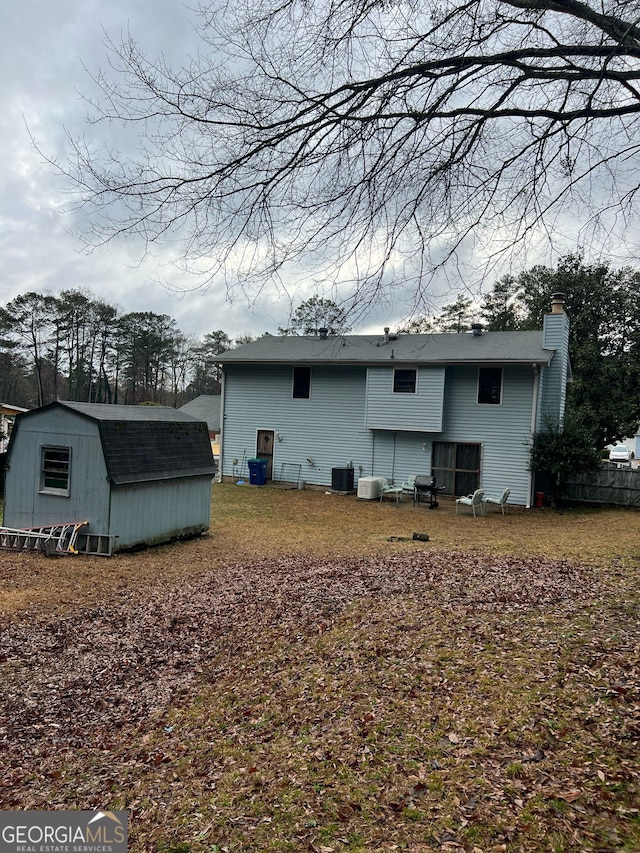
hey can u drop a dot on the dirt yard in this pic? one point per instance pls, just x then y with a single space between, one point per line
309 678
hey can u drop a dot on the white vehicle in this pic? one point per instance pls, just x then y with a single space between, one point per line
620 453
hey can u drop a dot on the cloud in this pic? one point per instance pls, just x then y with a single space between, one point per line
45 50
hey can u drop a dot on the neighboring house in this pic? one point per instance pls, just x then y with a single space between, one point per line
138 473
461 407
206 407
7 417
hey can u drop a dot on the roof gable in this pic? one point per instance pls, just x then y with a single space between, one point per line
206 407
145 443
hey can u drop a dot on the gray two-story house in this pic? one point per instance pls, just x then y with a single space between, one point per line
461 407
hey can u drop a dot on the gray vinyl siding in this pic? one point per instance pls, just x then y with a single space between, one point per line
412 454
398 454
157 512
88 499
503 431
405 411
327 428
383 461
555 336
542 373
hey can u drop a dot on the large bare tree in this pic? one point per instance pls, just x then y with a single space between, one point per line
362 142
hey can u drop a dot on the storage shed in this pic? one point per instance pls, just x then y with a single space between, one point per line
140 475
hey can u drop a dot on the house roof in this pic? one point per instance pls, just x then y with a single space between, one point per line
8 409
142 444
206 407
442 349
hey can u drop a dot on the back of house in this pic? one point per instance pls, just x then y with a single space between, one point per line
460 407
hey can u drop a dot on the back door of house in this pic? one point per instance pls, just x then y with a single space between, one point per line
456 467
264 449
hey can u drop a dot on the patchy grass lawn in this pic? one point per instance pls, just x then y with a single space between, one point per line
309 678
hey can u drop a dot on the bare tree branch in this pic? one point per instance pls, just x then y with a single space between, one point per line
358 144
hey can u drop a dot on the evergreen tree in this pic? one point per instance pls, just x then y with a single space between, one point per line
500 310
315 314
456 317
604 339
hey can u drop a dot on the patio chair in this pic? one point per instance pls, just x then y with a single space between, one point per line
388 490
472 501
409 484
501 501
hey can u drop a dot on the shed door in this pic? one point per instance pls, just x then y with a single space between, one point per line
264 449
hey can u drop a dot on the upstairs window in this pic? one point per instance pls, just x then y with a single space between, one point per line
301 383
54 474
490 385
404 381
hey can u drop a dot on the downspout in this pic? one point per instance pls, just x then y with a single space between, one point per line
372 432
373 451
534 423
393 458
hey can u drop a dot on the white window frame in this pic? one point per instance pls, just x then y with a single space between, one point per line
49 466
490 402
413 370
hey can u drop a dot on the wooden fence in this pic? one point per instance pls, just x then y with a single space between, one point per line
612 485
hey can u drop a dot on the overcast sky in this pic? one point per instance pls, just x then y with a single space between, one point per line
47 49
44 48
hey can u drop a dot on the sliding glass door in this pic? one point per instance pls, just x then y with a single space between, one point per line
456 466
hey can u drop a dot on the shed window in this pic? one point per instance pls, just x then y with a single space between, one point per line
301 383
404 381
54 476
490 385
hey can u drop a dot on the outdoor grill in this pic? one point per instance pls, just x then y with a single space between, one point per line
425 488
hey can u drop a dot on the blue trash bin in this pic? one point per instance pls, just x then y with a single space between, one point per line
257 471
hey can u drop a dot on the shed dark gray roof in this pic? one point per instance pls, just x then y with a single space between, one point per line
487 348
142 444
206 407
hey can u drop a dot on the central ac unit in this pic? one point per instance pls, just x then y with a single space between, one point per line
369 488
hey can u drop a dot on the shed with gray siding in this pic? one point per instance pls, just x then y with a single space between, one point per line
138 473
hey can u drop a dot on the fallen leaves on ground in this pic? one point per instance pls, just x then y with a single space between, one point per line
432 699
